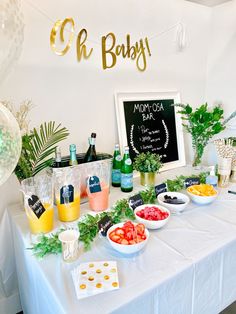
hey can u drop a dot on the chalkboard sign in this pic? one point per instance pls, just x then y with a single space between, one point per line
191 181
150 122
135 201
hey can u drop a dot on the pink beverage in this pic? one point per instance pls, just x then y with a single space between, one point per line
98 201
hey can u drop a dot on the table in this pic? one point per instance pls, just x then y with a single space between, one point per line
189 266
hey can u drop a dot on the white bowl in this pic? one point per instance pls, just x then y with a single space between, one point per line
152 224
174 208
127 249
202 200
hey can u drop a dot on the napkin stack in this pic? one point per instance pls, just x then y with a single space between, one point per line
95 277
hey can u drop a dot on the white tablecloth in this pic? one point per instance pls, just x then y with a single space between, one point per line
189 266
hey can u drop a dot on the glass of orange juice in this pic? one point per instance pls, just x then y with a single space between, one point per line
38 202
67 193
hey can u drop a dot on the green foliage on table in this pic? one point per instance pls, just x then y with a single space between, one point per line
148 195
88 225
147 162
47 245
202 123
38 147
178 183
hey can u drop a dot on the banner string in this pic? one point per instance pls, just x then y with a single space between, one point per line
180 34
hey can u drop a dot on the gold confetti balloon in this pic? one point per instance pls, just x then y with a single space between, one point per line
10 143
11 35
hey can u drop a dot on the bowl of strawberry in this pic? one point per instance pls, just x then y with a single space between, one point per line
128 237
152 216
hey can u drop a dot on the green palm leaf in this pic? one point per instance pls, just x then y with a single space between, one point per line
38 147
44 144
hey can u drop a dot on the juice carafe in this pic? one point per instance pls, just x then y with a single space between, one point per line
38 202
67 193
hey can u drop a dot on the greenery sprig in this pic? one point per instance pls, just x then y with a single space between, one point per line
202 123
88 227
178 183
47 245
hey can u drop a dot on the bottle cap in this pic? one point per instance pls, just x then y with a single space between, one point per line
126 148
212 170
117 146
72 147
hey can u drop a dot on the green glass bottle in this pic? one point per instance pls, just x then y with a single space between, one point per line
73 161
126 172
116 166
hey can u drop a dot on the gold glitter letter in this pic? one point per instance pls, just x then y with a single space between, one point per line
61 24
105 51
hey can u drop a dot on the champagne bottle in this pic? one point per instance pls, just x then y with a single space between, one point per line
58 163
126 172
73 161
91 152
116 166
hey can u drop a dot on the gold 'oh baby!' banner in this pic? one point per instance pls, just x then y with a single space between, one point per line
139 51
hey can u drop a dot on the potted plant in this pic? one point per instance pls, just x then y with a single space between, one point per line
148 164
202 123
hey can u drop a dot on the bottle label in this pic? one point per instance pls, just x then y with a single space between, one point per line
118 158
67 194
128 162
116 176
126 180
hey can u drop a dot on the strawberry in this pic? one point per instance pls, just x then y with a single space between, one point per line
124 242
115 238
120 232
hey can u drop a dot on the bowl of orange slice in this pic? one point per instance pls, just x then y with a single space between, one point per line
202 194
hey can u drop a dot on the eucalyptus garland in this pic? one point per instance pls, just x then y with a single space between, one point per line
88 225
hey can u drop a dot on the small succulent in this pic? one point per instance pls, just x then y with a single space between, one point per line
147 162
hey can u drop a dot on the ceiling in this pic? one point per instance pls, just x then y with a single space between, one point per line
209 3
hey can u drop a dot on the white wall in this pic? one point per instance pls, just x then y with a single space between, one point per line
81 95
221 67
221 71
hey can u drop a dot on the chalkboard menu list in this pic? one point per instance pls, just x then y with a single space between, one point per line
151 126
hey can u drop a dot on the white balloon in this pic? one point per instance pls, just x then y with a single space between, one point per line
10 143
11 35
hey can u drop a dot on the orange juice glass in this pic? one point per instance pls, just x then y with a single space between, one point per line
67 193
38 201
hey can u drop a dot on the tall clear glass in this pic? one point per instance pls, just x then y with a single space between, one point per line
67 193
38 202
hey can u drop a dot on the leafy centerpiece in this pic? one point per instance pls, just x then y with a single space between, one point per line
202 123
148 164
